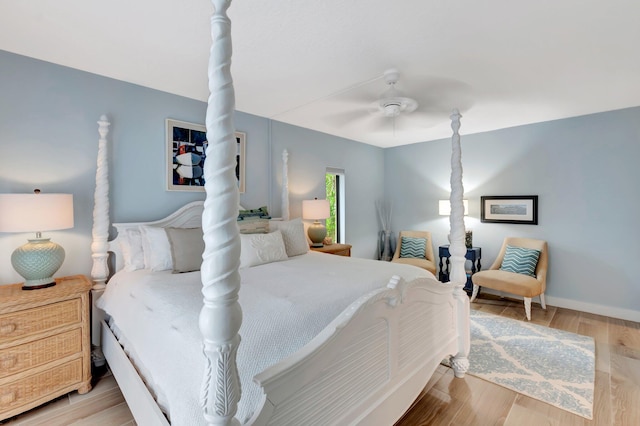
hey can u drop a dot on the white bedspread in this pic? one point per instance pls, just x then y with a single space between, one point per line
285 304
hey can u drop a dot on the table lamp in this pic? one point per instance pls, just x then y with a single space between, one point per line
444 207
315 210
40 258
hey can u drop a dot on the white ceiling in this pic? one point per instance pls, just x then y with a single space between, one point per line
502 62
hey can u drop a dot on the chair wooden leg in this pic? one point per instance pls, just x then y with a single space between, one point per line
474 293
527 307
542 302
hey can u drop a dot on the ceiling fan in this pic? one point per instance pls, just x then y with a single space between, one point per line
407 104
392 103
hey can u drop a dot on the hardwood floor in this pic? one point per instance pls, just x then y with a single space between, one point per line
445 400
104 405
472 401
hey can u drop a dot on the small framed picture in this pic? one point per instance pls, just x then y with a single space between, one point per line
518 209
186 153
241 139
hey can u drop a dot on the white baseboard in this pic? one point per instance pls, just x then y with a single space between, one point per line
609 311
576 305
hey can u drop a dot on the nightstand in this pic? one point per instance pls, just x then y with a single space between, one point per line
337 249
474 254
45 347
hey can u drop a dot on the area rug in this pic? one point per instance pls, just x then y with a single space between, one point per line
553 366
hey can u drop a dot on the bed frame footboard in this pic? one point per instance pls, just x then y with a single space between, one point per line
140 401
370 363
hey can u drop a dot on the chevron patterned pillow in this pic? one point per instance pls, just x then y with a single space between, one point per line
413 247
520 260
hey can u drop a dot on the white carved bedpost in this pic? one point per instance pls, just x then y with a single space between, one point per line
100 235
285 185
458 276
221 315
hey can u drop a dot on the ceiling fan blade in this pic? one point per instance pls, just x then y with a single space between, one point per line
382 124
357 95
417 120
343 115
438 94
369 123
345 118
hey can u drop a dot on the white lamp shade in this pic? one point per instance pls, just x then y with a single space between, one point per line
35 212
444 207
315 209
39 259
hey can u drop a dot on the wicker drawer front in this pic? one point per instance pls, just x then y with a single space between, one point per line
23 357
39 319
31 388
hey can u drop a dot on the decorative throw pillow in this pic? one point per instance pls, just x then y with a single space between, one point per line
295 239
187 247
131 248
156 248
258 249
262 212
520 260
253 225
413 247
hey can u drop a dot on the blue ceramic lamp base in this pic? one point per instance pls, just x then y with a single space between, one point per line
37 261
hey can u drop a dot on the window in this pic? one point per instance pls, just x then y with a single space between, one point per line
334 180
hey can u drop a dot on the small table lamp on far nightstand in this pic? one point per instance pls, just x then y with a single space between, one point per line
444 209
316 210
40 258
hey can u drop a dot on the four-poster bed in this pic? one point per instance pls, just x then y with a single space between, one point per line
365 363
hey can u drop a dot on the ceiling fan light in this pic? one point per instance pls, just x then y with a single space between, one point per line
393 107
392 110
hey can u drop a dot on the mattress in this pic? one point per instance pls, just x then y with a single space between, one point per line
285 304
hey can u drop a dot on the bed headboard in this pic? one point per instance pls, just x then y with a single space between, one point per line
101 248
187 216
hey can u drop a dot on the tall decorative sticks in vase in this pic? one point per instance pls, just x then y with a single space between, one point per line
384 241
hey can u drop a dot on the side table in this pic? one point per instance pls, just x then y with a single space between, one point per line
44 343
337 249
474 254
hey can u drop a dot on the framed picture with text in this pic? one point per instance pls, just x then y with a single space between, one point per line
187 152
518 209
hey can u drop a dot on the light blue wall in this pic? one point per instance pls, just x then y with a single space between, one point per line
583 169
49 140
310 153
586 173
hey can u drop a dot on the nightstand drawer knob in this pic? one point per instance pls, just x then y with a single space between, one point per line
7 398
8 362
7 329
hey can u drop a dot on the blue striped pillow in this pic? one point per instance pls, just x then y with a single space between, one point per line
520 260
413 247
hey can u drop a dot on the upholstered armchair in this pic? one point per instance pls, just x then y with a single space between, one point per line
418 250
520 269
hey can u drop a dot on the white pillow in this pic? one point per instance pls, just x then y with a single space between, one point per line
295 240
131 248
187 247
156 248
257 249
253 226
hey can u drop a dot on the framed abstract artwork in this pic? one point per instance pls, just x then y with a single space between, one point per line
187 152
519 209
